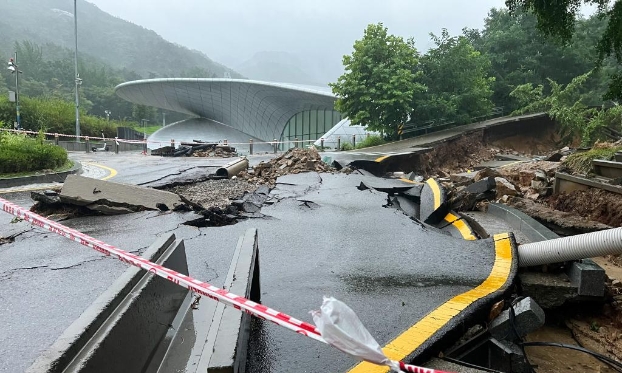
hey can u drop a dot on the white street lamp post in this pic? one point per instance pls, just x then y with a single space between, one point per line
78 80
15 70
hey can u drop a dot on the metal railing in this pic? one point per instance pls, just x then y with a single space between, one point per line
417 129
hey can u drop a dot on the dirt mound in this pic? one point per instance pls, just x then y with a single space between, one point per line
294 161
594 204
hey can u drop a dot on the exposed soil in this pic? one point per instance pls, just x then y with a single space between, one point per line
542 144
456 155
465 152
594 204
555 359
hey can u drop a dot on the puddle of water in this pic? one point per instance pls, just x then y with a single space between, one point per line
363 283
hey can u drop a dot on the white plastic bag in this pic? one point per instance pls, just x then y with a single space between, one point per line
342 329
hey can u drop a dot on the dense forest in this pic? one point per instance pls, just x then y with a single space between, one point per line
509 65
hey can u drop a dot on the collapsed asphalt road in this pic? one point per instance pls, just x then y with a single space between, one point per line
322 237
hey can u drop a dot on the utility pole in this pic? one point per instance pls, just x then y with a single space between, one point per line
15 70
163 119
78 80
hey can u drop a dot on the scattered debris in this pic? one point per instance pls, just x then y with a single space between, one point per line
294 161
197 148
217 193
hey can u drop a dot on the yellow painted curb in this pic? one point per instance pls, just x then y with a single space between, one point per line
407 342
462 227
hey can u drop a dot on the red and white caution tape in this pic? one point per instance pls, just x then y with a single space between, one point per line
196 286
162 143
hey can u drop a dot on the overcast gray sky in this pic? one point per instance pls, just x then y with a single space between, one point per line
320 31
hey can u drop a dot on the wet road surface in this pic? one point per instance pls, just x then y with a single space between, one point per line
324 237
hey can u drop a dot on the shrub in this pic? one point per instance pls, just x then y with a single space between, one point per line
581 163
20 153
346 146
374 140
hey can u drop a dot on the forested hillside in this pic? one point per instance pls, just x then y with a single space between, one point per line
111 51
116 42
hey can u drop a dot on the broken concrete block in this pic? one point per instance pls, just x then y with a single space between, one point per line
108 197
48 197
465 177
549 290
528 317
482 186
505 188
486 172
588 277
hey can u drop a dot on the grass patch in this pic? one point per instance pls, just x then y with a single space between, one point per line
21 153
346 146
374 140
581 163
149 129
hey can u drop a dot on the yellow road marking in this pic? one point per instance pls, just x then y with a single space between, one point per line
380 159
112 171
407 342
437 192
461 226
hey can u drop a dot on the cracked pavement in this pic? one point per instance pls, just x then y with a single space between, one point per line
321 237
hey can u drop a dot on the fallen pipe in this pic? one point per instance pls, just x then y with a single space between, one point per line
232 168
588 245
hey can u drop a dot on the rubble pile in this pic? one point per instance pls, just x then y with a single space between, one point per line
197 148
294 161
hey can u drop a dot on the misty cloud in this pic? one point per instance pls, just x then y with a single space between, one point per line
318 33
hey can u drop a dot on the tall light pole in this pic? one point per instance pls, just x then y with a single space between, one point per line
15 70
108 112
78 80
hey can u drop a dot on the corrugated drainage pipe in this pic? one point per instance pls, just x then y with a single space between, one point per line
588 245
232 168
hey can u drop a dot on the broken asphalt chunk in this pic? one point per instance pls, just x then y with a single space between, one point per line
115 198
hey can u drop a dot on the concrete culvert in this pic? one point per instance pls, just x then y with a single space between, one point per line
232 168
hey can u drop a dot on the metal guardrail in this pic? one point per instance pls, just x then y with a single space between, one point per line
416 129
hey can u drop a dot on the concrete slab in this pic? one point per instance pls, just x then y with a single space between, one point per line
568 183
209 336
608 169
123 327
98 194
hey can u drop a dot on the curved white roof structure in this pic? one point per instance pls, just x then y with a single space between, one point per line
259 109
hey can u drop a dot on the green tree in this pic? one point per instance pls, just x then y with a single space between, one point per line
519 55
140 112
565 105
559 19
379 82
458 85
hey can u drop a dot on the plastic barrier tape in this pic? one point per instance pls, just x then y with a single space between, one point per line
196 286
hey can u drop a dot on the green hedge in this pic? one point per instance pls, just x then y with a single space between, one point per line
20 153
373 140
